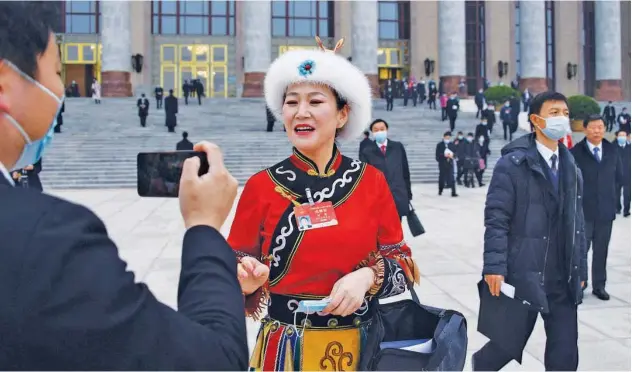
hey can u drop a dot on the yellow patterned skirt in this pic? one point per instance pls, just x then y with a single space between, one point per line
283 347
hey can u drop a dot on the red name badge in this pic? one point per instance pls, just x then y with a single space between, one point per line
315 216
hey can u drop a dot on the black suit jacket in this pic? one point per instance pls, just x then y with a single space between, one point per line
395 167
184 145
600 179
68 302
624 155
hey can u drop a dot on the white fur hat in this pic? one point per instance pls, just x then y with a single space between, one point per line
325 67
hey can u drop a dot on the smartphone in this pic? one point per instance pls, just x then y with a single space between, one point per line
159 173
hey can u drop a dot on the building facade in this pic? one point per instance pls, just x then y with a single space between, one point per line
571 47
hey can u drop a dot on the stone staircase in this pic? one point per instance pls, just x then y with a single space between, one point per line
99 143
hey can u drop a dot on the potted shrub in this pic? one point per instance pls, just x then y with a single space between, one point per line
580 107
497 95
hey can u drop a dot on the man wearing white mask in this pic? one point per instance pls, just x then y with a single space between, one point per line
390 157
68 302
535 242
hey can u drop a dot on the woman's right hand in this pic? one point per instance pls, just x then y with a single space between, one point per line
252 274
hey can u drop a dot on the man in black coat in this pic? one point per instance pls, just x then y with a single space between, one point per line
185 144
68 301
609 115
479 100
452 110
159 93
366 142
445 155
601 166
171 109
624 120
388 94
143 109
623 148
60 119
535 242
270 118
390 157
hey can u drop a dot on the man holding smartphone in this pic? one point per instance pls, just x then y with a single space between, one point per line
68 302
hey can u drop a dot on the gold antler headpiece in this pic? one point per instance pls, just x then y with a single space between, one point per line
338 46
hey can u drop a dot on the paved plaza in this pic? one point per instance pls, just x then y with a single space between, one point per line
149 235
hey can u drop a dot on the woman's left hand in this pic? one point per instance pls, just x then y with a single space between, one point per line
348 293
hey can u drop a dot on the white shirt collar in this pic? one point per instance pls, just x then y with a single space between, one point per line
6 174
547 153
591 147
382 144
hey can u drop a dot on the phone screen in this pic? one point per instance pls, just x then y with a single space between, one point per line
159 173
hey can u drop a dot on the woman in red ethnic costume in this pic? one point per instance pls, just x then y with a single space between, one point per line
318 224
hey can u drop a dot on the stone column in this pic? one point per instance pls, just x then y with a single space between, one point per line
257 34
364 40
117 49
452 66
608 50
533 46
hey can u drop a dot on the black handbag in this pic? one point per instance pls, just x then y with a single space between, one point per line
410 320
414 224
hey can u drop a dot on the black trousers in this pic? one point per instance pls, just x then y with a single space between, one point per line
444 114
598 236
432 102
143 120
186 99
459 171
560 325
270 127
158 102
625 190
479 111
389 104
507 130
446 179
452 122
610 123
199 99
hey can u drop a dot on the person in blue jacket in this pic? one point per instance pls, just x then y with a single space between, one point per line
535 241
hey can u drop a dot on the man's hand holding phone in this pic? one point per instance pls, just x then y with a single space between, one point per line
207 199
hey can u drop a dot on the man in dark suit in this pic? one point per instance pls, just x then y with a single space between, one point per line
366 142
68 302
185 144
535 242
623 148
171 109
624 120
452 110
60 119
390 157
143 109
601 166
159 93
445 155
609 115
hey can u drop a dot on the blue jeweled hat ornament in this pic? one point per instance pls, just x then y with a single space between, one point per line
321 66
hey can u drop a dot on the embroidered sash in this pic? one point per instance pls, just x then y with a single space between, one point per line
336 188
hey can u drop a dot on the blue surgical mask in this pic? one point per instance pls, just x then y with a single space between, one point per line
446 141
33 149
380 137
622 140
460 137
556 127
470 139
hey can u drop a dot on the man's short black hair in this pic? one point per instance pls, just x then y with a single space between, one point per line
25 29
470 134
460 132
622 131
378 121
448 133
185 135
592 117
536 103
